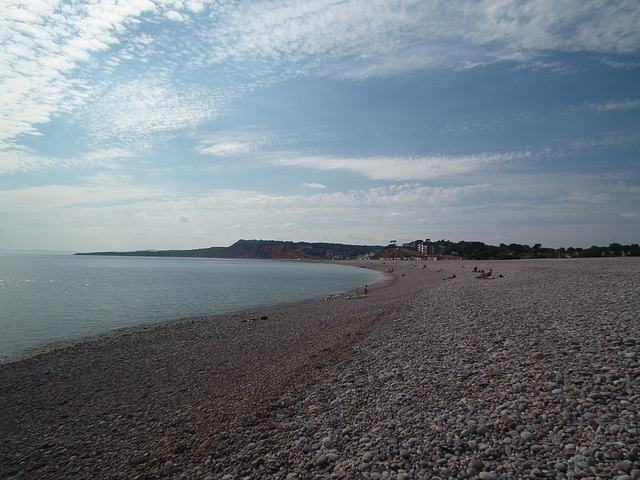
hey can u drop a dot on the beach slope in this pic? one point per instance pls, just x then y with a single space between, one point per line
534 374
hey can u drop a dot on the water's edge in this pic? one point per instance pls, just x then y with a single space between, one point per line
51 346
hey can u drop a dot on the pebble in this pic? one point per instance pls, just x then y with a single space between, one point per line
487 476
321 461
526 436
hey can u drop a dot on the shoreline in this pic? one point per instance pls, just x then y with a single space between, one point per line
221 367
62 344
415 381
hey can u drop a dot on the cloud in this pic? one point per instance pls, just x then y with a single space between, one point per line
21 161
283 226
409 168
132 111
588 197
606 139
128 215
229 143
357 39
55 51
623 65
314 185
611 106
16 160
101 191
45 44
58 56
175 16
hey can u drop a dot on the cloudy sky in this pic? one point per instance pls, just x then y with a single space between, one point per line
136 124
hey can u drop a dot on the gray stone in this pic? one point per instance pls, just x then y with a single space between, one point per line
526 436
321 461
487 476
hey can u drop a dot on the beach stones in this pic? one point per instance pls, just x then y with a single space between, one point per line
528 378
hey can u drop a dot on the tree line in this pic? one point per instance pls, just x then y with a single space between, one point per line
480 250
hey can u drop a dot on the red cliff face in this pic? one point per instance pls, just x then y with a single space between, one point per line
282 252
258 250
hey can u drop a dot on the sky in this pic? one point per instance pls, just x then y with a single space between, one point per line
179 124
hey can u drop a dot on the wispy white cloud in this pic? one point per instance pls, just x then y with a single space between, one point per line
111 209
628 64
52 51
409 168
228 143
46 42
132 111
280 227
21 160
46 67
101 190
314 185
614 138
588 197
614 105
353 39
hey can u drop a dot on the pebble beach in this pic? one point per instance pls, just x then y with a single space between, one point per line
532 374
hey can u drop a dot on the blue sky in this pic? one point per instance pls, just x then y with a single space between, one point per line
169 124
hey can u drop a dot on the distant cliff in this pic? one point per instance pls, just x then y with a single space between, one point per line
261 249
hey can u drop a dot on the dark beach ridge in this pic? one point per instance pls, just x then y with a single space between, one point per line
531 375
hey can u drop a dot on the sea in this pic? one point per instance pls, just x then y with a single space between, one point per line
46 299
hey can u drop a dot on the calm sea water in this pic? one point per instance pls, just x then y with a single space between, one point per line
52 298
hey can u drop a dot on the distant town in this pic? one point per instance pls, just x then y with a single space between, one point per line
481 251
418 250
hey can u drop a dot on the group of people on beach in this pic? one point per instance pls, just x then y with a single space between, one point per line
484 275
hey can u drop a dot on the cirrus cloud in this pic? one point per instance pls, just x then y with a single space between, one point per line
409 168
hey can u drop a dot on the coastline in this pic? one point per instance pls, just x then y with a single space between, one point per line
64 314
348 387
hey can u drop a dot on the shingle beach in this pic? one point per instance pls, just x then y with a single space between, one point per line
532 374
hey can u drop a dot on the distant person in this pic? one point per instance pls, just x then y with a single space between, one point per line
365 289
